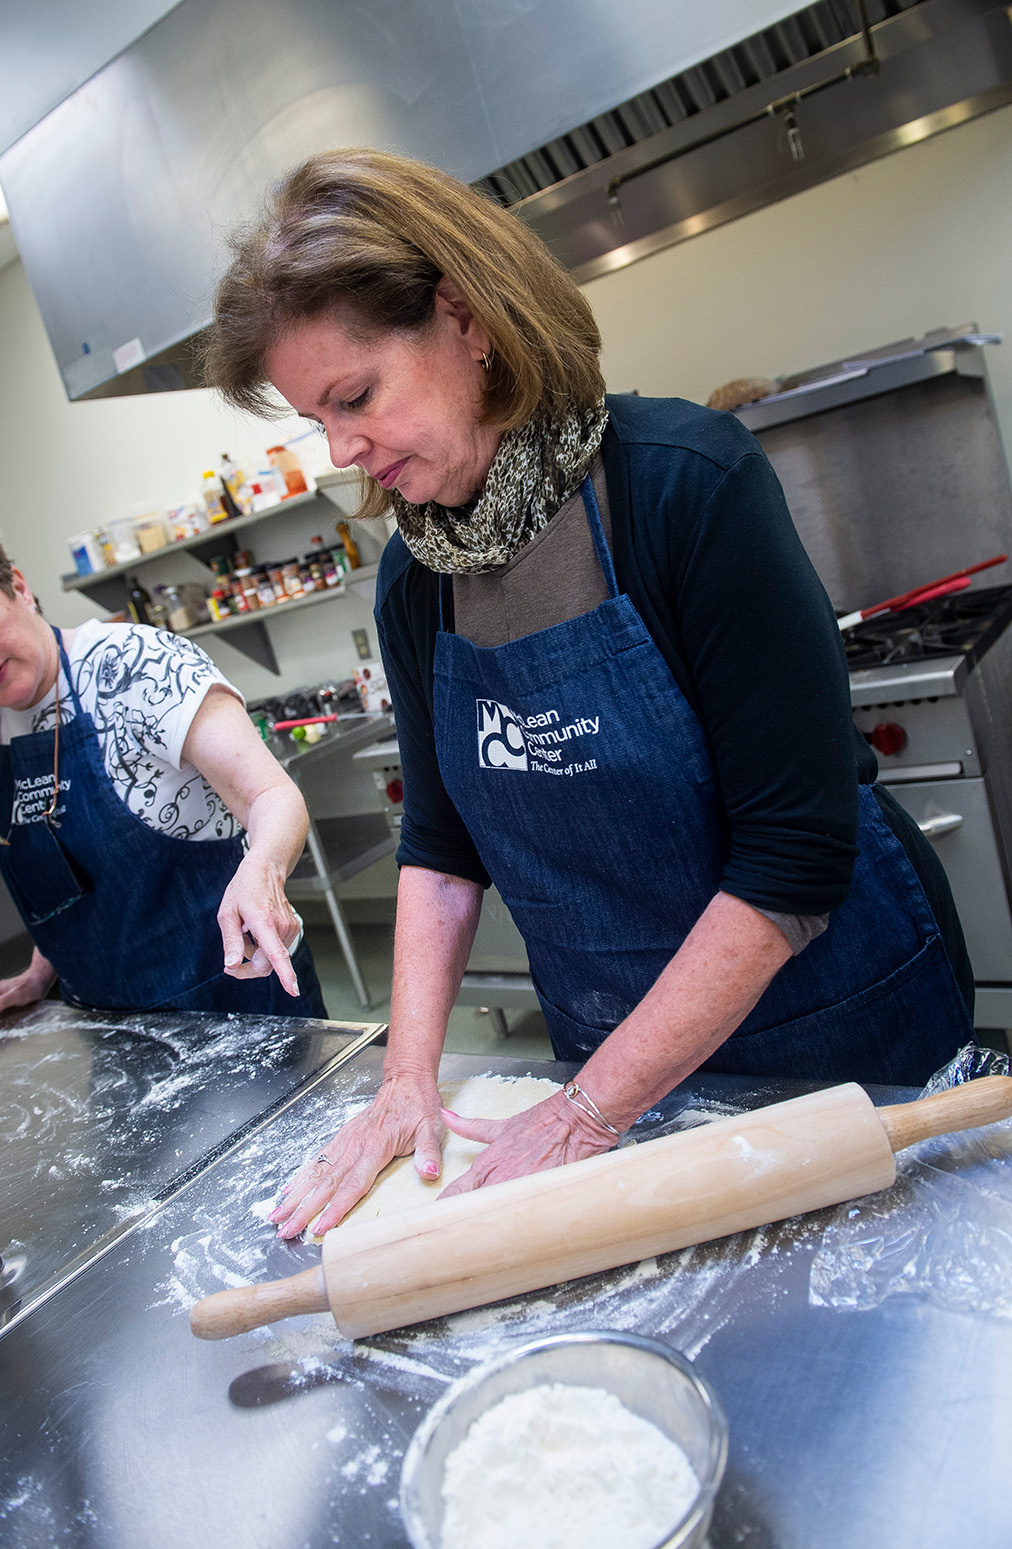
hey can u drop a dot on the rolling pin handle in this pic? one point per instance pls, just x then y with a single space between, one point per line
251 1306
969 1106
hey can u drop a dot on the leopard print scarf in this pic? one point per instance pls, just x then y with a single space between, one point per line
537 468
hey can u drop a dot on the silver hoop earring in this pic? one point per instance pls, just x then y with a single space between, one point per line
485 361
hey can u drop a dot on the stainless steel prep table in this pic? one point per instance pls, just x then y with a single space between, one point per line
101 1112
120 1430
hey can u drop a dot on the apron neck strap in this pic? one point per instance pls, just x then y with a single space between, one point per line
596 526
64 662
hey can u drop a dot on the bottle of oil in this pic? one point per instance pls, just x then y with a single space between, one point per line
138 602
350 546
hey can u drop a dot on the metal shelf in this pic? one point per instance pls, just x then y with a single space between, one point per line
204 545
862 380
247 632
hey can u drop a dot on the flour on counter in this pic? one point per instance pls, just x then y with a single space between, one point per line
564 1467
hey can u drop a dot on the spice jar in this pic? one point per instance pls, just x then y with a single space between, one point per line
265 587
278 582
217 604
237 597
247 582
292 578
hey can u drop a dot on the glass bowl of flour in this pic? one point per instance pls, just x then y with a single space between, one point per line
578 1441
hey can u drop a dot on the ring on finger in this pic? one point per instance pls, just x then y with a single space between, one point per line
323 1157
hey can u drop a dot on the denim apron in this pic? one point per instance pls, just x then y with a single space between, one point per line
584 778
125 914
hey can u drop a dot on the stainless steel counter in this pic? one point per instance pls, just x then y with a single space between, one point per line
849 1429
99 1116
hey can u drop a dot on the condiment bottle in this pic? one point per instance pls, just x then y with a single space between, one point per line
350 546
138 602
212 497
234 486
265 587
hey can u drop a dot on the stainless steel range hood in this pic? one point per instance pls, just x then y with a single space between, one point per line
758 123
120 197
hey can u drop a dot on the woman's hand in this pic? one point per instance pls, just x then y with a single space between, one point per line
32 985
404 1117
548 1135
257 923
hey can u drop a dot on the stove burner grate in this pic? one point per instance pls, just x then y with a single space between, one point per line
963 624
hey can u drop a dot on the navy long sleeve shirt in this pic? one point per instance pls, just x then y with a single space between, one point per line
705 548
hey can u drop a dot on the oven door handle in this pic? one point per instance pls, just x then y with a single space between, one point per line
945 823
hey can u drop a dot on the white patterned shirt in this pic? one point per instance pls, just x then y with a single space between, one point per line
142 687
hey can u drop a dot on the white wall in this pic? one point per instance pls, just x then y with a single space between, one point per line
71 466
919 239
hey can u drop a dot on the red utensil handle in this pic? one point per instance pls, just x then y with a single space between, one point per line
311 720
909 599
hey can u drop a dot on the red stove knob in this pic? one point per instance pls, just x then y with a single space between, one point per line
888 738
395 791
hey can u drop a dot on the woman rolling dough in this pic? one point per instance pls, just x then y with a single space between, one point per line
619 687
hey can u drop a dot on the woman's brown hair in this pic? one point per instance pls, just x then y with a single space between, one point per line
373 234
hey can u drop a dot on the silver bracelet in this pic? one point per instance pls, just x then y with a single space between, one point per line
587 1106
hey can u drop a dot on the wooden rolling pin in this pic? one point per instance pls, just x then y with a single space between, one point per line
726 1176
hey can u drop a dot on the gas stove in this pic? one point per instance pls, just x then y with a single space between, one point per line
931 690
963 624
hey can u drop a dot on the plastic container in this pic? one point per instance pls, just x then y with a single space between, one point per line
186 521
290 468
122 541
648 1377
178 614
150 528
267 488
86 553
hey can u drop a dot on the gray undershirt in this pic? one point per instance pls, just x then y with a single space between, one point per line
558 577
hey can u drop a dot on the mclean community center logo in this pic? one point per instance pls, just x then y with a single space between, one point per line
510 741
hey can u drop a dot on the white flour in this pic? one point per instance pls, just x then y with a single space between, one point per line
563 1467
